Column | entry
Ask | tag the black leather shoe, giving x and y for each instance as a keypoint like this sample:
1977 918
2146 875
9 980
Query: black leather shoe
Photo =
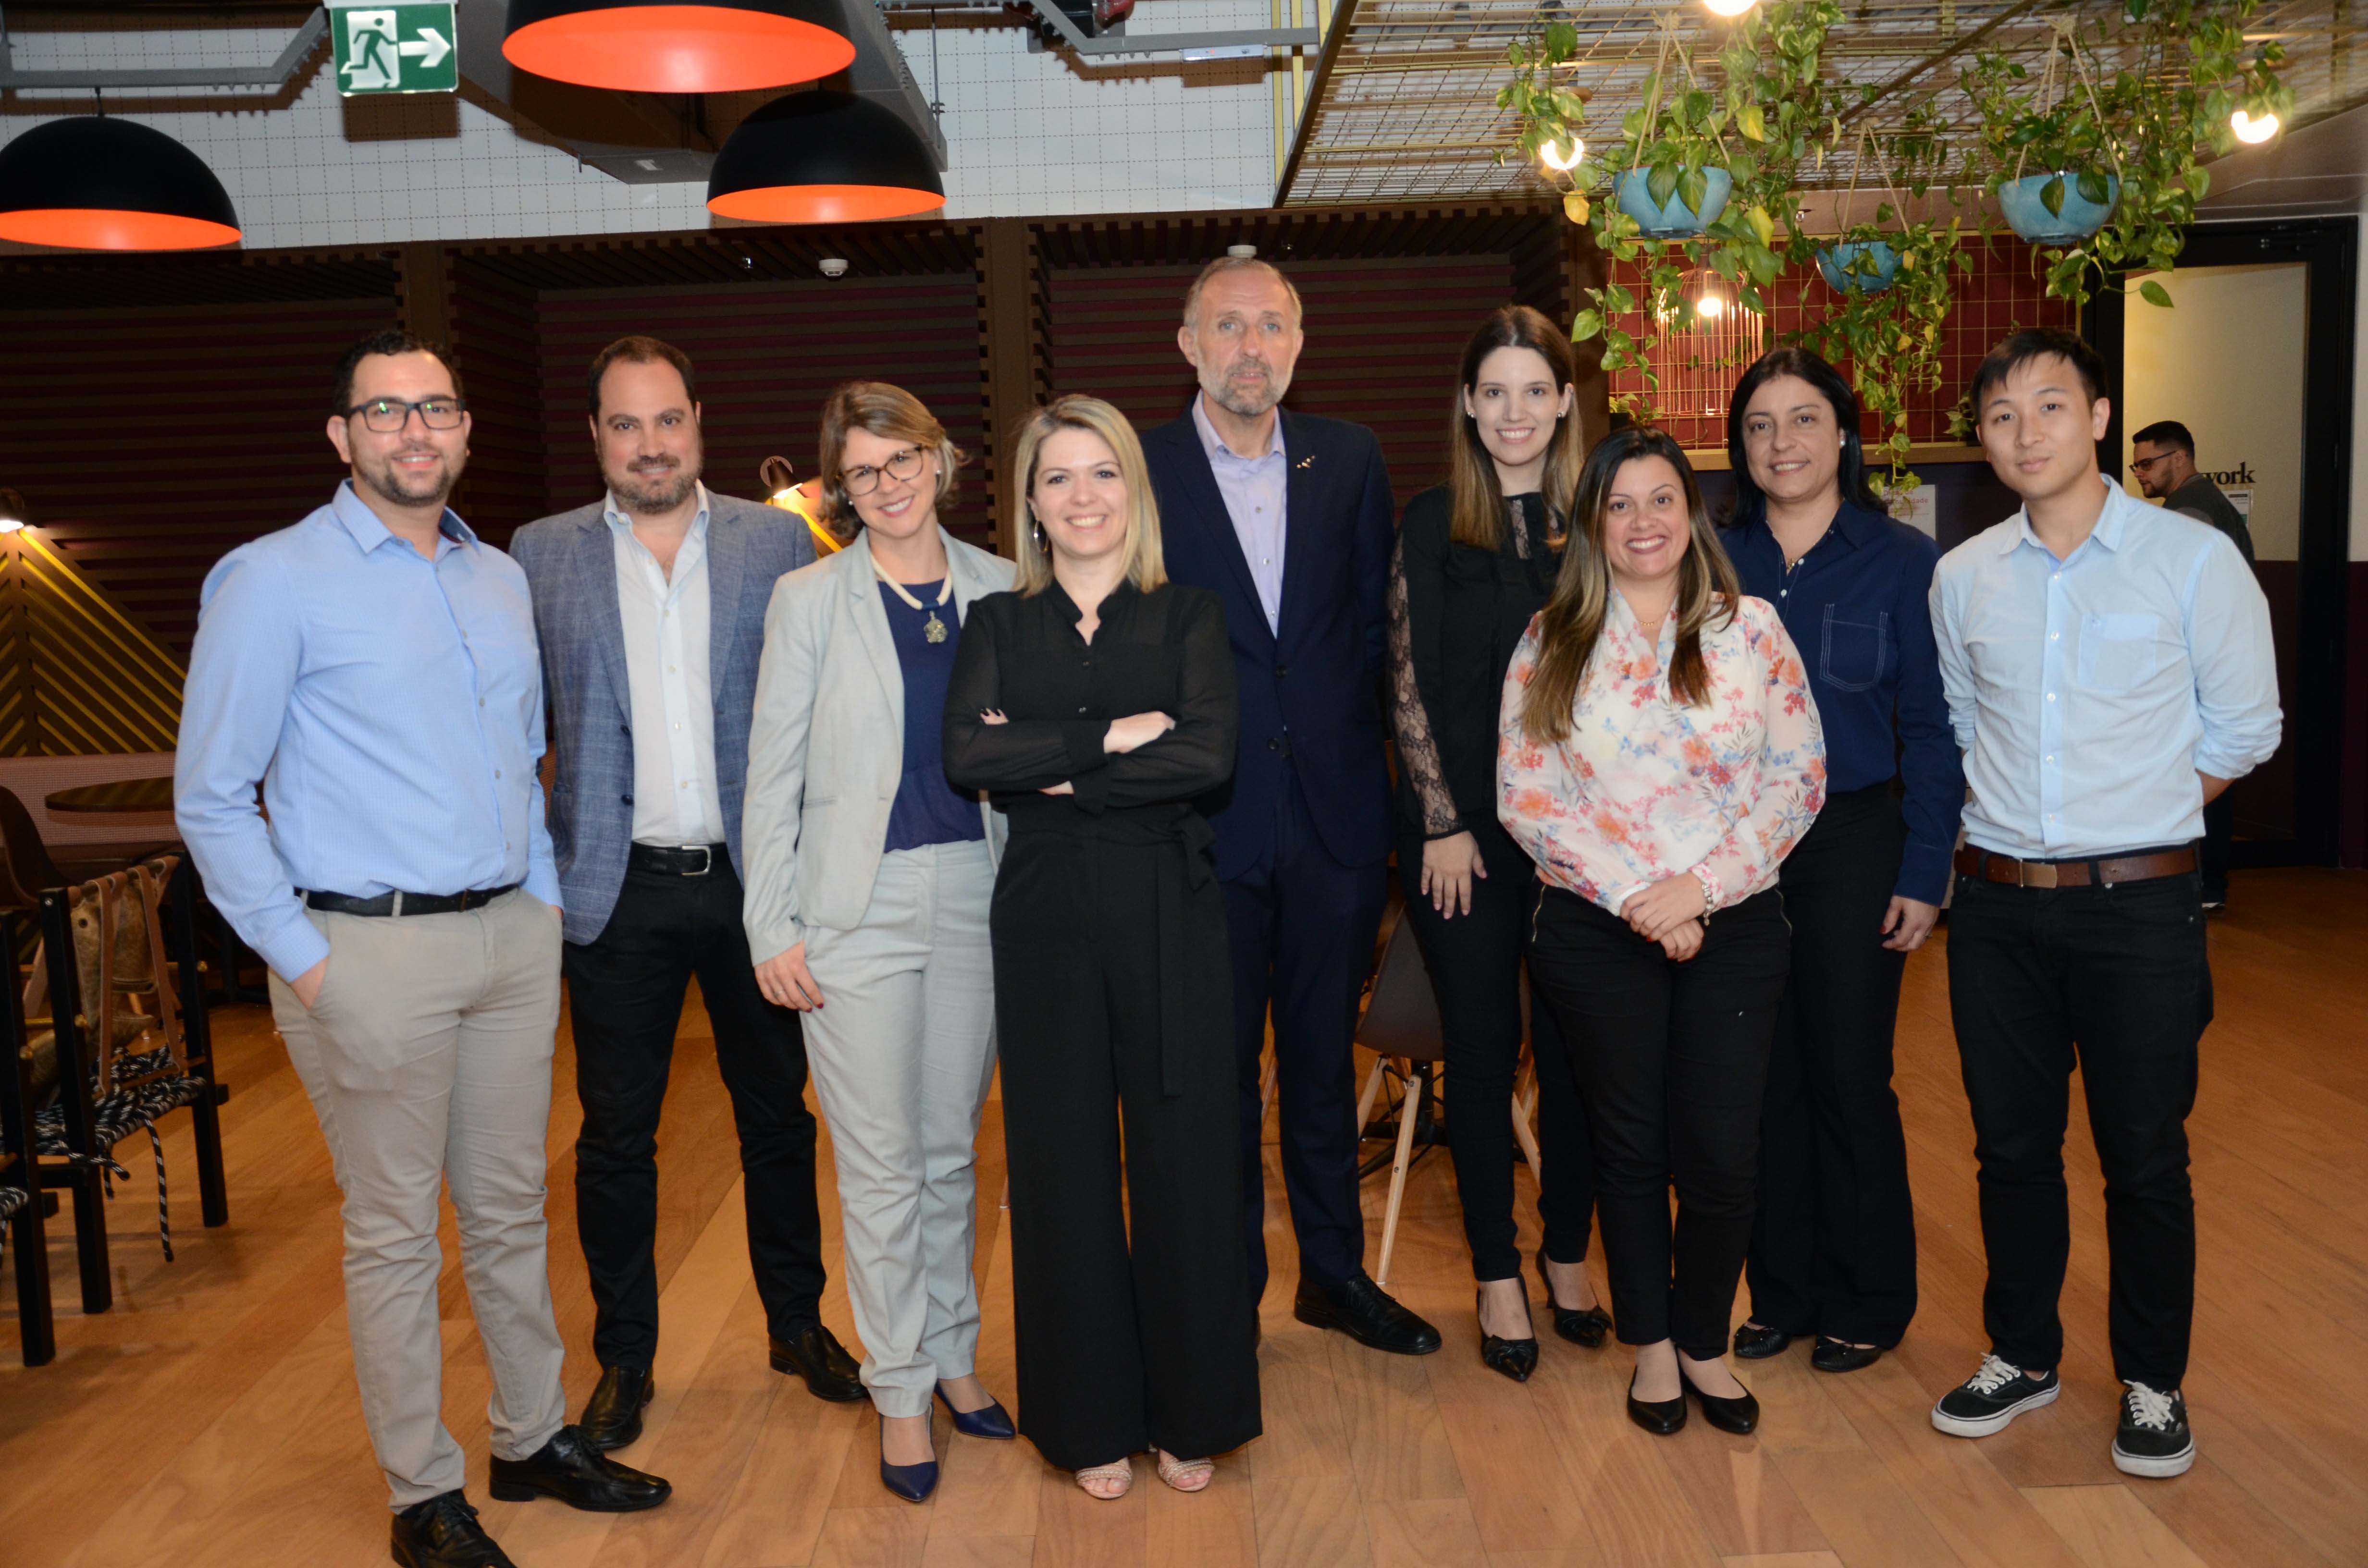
612 1416
1588 1327
443 1532
1741 1416
1516 1358
571 1469
1366 1313
1837 1356
1659 1416
815 1355
1755 1341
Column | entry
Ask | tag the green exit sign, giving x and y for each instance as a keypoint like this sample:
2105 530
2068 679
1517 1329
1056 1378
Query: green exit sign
408 48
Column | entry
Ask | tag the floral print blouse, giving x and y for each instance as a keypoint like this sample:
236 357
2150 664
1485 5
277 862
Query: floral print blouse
1644 788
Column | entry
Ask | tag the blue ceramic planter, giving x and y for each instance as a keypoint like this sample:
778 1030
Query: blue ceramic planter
1835 261
1674 220
2028 215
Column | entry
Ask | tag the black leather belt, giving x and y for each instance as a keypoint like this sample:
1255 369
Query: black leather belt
2107 871
665 861
400 904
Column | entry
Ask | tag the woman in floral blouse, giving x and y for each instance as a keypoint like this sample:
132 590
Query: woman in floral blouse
1659 756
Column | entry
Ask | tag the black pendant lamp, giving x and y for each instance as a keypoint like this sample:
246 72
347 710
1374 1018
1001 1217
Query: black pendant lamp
824 157
98 183
633 47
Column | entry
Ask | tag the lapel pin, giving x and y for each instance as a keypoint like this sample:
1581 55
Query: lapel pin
1306 463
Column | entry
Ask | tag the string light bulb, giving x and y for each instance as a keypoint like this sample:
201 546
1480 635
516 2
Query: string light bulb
2250 130
1551 155
1729 7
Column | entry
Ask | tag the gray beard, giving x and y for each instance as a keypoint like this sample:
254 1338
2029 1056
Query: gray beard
1244 406
656 494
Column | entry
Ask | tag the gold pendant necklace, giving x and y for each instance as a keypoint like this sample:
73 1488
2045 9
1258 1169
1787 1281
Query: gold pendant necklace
933 630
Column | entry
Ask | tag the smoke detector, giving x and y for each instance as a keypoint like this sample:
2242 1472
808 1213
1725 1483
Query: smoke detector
833 266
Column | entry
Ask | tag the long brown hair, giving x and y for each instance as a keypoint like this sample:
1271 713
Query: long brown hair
1475 502
1572 623
891 414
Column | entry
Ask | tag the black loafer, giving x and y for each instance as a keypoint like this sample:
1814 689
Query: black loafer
1755 1341
569 1469
1516 1358
612 1416
1839 1356
1366 1313
1659 1416
815 1355
443 1532
1589 1327
1741 1416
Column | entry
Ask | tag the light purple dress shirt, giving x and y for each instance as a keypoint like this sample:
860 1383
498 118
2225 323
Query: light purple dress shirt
1255 490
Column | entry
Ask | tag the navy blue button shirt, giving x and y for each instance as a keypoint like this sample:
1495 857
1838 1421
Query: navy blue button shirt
928 810
1859 608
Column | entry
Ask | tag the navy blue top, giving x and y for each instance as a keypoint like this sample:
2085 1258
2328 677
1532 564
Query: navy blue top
1859 608
927 809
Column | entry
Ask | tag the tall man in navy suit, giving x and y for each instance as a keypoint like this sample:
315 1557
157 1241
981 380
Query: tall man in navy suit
650 607
1288 519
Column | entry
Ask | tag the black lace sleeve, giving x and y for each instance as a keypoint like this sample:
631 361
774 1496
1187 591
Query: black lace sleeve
1417 592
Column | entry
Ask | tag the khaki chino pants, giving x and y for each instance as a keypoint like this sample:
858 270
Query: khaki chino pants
428 1058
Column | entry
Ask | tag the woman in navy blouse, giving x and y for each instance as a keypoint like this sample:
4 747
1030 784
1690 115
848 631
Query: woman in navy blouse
1833 1247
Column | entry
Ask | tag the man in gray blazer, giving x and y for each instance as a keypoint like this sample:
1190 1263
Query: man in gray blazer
650 607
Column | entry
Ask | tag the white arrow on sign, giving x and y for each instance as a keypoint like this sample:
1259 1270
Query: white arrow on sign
430 49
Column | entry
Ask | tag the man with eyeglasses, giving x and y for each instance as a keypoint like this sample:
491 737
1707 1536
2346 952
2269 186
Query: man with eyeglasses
373 669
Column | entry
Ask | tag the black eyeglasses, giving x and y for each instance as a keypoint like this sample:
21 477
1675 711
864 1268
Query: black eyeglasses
388 415
2140 465
901 464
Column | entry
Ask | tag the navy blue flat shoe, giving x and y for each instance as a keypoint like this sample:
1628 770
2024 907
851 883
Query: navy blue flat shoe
912 1482
989 1420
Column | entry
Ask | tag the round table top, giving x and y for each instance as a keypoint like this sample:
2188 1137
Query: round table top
124 795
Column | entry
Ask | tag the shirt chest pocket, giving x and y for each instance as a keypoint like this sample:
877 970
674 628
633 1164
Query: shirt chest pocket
2117 652
1853 649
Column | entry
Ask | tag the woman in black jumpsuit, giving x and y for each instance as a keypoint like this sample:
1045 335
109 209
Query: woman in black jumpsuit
1095 703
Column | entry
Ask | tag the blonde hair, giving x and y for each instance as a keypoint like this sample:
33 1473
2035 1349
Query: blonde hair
891 414
1146 567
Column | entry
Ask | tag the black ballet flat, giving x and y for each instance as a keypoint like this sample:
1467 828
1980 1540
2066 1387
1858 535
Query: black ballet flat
1589 1328
1839 1356
1661 1417
1516 1358
1741 1416
1756 1342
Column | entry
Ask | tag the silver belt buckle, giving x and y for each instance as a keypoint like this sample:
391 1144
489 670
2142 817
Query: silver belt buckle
708 864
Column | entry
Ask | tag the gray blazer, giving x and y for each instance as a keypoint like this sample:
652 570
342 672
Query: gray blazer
571 566
826 751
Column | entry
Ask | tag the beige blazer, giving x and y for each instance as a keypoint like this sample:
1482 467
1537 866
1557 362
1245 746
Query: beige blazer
826 748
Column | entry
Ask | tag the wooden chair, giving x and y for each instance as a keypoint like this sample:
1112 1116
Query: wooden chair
21 1198
126 1018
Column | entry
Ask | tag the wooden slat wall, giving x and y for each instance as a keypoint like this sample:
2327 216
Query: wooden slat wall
494 341
148 441
86 679
767 355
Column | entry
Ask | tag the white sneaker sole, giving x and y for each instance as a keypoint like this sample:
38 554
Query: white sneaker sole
2160 1468
1958 1426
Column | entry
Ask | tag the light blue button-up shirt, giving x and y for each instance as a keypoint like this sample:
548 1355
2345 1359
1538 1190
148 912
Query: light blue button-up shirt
2087 693
390 705
1256 491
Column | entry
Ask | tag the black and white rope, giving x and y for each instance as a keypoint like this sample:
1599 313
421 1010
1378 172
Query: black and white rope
115 1119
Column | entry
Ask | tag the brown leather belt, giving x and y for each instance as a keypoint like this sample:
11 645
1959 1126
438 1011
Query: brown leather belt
1994 867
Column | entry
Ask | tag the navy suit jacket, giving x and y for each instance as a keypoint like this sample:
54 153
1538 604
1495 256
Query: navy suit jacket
571 565
1309 691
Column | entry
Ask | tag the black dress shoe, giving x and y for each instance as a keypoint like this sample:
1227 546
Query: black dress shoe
815 1355
443 1532
612 1416
1588 1327
1756 1342
1659 1416
1516 1358
1837 1356
1366 1313
571 1469
1738 1416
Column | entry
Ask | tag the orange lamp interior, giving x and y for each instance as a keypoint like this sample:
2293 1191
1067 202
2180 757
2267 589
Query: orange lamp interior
106 228
677 48
824 203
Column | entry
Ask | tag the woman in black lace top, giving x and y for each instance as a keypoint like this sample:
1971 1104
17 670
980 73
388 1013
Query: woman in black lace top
1095 703
1477 558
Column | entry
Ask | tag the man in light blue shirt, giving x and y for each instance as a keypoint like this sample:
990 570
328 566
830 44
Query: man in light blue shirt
374 670
2109 671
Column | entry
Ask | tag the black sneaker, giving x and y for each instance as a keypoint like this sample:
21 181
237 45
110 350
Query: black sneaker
2155 1440
1986 1401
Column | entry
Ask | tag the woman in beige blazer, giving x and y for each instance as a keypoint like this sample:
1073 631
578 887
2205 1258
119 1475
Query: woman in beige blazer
869 880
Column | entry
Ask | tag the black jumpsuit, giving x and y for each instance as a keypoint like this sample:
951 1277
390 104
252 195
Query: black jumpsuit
1113 998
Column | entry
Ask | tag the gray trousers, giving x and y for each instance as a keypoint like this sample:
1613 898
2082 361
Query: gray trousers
901 1050
428 1058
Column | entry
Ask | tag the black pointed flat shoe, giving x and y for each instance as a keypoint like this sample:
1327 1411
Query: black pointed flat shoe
1756 1342
1659 1416
912 1482
1837 1356
1516 1358
1741 1416
1589 1326
989 1420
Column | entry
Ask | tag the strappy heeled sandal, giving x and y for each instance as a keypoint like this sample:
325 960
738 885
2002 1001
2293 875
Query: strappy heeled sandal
1186 1475
1120 1471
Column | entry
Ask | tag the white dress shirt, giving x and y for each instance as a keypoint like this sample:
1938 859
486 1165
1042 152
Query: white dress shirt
2087 693
665 621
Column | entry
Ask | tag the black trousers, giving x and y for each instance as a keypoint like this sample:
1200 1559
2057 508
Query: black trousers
1112 1006
2115 979
1474 962
2219 834
1301 928
1671 1058
1833 1247
625 995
